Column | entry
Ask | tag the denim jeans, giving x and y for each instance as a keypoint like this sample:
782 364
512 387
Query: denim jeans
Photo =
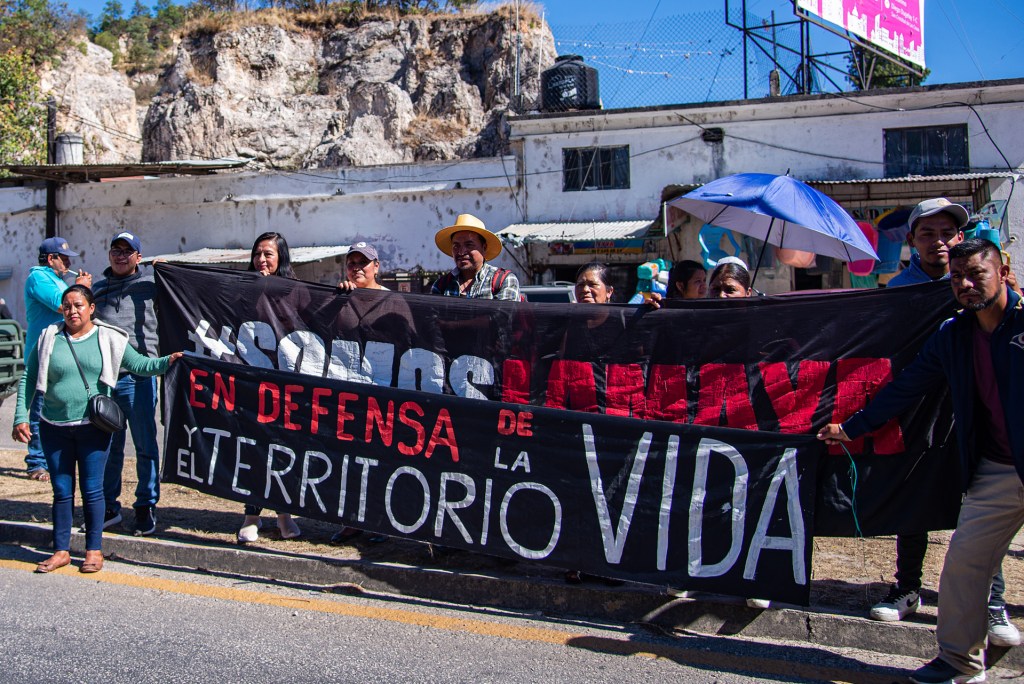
136 396
35 459
66 447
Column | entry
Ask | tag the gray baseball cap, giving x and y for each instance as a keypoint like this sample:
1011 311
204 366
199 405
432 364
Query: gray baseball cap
930 207
364 248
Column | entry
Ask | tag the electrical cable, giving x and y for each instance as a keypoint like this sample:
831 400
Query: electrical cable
633 54
961 35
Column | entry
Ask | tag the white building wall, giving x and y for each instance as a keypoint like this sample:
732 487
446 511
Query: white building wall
812 138
398 208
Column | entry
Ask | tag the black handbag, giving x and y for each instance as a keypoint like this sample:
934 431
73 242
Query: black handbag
102 411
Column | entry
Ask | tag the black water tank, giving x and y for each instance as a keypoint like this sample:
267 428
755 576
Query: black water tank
569 84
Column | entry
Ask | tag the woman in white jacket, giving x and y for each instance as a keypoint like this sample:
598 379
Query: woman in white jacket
68 439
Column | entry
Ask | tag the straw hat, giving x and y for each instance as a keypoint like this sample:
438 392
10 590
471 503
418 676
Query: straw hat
443 239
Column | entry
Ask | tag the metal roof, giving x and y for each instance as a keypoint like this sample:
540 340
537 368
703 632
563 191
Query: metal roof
83 173
578 230
901 190
918 179
225 255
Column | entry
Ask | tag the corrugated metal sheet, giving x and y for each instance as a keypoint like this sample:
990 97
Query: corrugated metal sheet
918 179
214 255
83 173
579 230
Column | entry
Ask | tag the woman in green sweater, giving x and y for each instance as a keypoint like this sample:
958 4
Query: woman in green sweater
68 438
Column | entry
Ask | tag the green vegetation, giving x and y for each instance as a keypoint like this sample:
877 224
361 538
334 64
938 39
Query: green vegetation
22 117
32 33
867 70
38 30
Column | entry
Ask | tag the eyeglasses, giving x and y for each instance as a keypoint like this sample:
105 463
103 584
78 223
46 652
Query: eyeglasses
115 252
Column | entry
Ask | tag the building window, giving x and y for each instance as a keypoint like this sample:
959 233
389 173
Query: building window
926 151
595 168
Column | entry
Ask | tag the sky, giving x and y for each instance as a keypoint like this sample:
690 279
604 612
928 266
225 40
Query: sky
687 61
965 40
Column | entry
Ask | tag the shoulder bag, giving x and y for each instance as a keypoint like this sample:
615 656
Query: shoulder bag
102 411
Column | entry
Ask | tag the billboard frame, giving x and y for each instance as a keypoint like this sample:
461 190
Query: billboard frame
810 62
854 39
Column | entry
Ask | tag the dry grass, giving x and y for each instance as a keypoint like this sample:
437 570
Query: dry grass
425 127
145 92
341 14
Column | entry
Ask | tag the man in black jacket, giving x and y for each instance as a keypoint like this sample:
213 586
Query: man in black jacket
980 354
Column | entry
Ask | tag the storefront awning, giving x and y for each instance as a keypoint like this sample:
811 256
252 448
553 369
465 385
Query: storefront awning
574 231
912 189
577 242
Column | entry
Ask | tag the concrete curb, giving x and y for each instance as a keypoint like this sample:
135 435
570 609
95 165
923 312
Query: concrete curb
630 603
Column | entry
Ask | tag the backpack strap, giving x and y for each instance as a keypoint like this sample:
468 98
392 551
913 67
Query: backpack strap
498 280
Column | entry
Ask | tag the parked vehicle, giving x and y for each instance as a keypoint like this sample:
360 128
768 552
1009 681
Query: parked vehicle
559 292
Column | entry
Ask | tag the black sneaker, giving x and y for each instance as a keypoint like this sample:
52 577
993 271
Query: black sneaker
145 520
940 672
110 518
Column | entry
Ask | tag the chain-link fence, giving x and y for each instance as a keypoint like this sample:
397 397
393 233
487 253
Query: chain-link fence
686 58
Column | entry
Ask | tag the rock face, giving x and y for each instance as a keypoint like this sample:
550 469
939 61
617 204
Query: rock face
385 91
95 100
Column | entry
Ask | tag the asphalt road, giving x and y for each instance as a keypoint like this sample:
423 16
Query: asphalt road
141 624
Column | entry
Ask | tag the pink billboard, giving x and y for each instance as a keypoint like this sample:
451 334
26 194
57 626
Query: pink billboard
896 26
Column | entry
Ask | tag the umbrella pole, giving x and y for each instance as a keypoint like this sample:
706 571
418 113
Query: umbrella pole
760 257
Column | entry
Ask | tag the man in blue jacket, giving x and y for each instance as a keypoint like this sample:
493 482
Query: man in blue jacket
126 298
936 225
980 353
43 289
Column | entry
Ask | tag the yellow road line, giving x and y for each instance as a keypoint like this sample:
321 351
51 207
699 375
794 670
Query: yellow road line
605 644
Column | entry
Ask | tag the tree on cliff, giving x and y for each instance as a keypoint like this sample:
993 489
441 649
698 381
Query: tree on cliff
22 116
38 29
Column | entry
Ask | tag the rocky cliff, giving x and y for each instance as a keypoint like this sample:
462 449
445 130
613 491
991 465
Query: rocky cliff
95 100
377 92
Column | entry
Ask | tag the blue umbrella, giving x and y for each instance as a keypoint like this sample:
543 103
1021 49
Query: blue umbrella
779 210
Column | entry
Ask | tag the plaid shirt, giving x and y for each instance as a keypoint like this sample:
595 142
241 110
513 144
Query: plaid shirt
448 285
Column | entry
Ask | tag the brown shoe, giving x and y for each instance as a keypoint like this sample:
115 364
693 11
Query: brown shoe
39 474
93 562
57 560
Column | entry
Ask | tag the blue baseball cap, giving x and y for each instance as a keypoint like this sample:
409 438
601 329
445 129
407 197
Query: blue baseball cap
56 245
132 241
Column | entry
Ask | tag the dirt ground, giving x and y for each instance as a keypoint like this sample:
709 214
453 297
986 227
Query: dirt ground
848 574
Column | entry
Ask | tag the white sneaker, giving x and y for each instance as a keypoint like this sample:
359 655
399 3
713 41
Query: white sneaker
249 533
897 604
1001 632
763 604
287 527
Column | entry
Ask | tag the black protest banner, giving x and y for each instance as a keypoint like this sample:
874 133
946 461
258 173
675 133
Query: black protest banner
781 364
720 510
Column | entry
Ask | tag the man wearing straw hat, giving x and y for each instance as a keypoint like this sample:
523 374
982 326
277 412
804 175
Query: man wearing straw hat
471 245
